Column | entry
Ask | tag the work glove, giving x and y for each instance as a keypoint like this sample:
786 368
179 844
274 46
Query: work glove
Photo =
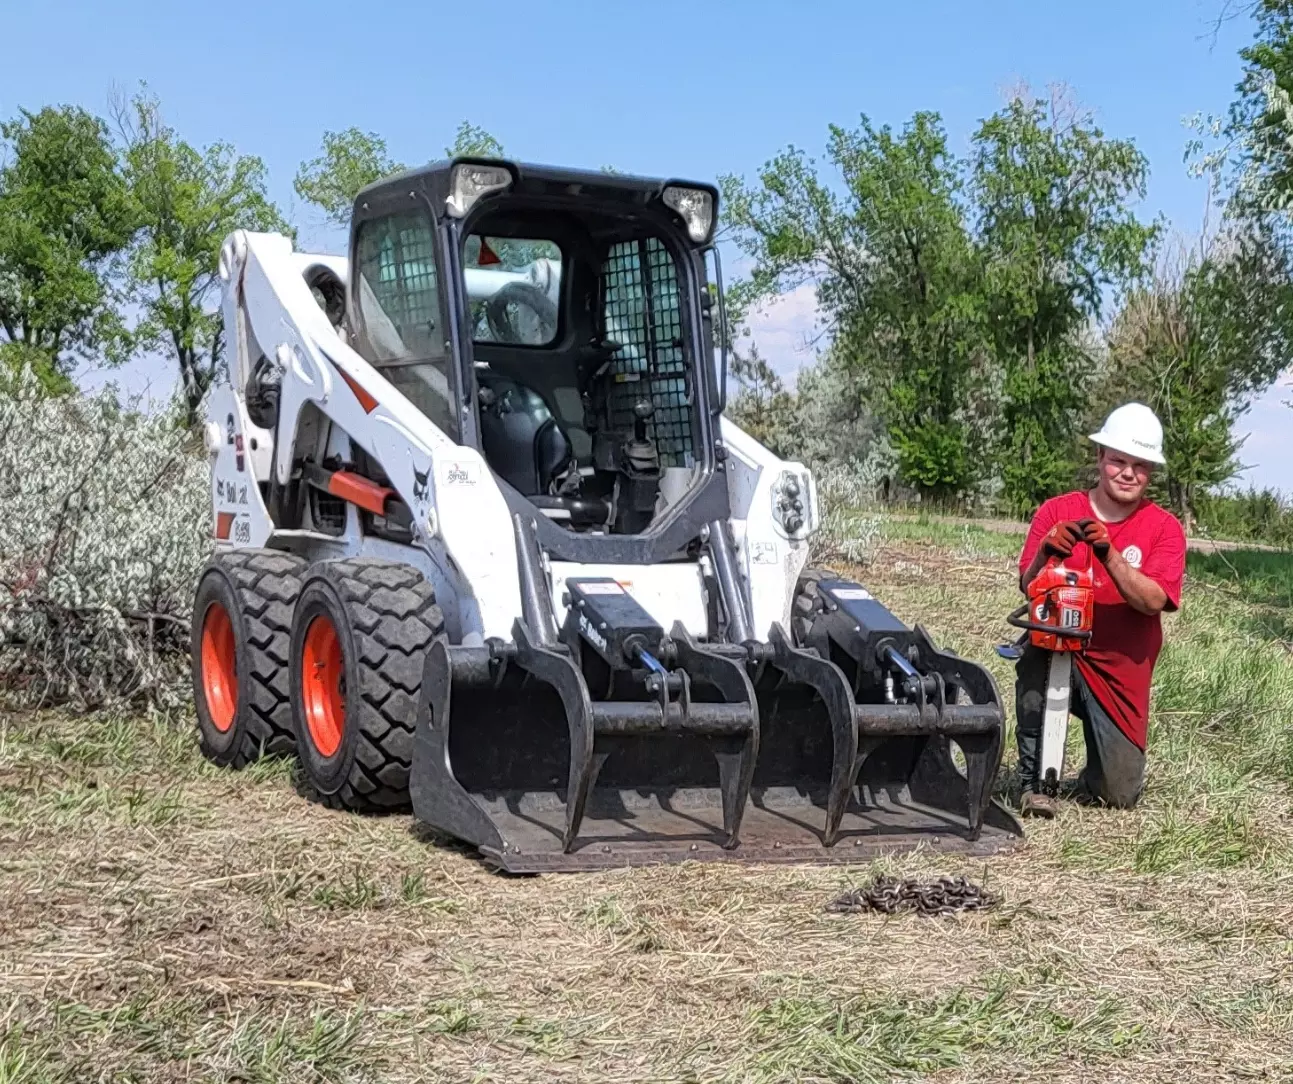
1096 535
1061 539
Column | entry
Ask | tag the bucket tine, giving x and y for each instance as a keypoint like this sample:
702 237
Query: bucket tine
560 672
982 752
736 756
828 681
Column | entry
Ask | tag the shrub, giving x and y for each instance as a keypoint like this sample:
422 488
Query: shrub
1264 516
104 523
846 533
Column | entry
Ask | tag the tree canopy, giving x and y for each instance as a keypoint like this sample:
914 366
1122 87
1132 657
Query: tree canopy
188 201
66 217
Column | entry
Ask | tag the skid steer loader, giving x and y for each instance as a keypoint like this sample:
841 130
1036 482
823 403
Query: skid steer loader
485 544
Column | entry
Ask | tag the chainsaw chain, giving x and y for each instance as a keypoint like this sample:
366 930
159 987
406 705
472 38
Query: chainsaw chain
891 896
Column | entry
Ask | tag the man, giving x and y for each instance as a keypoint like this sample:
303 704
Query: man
1137 550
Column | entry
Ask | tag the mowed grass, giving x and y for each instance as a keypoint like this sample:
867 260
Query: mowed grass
161 920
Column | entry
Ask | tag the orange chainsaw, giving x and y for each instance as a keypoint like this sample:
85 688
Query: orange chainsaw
1057 617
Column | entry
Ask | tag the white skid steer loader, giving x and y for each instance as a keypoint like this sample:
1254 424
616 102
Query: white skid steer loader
485 544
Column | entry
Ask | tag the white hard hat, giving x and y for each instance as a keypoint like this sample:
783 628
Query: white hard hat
1134 430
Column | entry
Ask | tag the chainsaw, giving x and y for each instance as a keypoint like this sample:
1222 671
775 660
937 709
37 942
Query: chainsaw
1057 618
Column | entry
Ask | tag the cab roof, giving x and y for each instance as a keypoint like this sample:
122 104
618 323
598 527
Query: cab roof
530 179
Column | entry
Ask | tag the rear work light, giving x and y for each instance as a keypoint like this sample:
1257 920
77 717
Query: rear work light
695 205
469 182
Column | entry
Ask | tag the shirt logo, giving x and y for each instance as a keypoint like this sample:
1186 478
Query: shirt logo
1133 556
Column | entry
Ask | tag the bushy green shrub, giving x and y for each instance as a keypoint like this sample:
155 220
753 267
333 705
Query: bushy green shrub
1254 516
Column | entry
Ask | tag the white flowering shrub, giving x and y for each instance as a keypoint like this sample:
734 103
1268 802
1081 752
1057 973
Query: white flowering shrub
104 524
848 533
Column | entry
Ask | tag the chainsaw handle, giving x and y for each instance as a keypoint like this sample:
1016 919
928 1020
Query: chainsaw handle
1015 620
1054 560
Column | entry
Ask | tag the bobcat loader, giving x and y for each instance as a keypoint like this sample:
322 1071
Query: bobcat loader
486 545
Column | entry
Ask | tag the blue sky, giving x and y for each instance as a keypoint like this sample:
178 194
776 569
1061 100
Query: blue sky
661 87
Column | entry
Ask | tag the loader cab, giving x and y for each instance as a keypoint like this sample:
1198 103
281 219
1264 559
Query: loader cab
559 321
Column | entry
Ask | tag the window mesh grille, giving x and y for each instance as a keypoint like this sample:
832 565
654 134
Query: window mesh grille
397 258
640 291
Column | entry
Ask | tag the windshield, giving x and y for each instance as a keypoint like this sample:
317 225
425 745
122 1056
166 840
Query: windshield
514 288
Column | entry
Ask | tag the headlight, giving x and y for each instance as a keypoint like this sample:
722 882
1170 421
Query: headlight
696 205
792 498
469 182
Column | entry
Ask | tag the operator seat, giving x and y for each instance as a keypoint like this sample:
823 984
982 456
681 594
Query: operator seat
522 442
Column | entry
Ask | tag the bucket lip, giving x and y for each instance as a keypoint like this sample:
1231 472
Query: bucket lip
593 854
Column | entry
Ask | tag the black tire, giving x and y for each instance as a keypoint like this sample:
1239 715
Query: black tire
256 590
808 604
384 617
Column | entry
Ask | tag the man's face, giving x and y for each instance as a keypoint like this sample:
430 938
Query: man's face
1123 477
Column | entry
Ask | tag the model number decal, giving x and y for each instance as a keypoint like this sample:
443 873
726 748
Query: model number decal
242 530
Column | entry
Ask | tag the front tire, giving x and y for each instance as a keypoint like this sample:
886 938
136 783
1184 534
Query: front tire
808 605
242 622
359 642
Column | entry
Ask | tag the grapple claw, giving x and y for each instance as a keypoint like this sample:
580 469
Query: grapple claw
620 745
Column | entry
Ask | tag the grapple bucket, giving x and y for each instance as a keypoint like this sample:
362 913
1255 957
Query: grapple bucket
614 745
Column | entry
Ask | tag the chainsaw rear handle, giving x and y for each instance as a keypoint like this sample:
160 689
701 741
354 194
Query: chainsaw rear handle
1015 620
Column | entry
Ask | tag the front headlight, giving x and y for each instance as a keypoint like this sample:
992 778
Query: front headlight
695 205
469 182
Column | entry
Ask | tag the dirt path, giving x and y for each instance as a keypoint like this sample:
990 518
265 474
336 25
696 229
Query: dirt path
1013 526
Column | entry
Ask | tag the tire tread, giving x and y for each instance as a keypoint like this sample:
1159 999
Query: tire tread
267 583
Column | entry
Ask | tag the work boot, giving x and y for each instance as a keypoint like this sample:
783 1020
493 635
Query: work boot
1032 804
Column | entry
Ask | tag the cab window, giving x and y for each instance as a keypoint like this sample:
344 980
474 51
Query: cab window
514 288
398 299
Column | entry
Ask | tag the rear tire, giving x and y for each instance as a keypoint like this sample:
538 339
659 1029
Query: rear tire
242 622
359 642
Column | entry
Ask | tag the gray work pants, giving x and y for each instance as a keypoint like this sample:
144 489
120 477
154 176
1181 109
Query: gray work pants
1115 768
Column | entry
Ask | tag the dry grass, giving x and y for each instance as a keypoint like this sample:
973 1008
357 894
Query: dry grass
161 920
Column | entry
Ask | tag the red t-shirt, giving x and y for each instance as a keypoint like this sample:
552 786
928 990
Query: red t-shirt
1119 660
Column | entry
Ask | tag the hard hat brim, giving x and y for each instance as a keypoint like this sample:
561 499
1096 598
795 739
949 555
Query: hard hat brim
1127 447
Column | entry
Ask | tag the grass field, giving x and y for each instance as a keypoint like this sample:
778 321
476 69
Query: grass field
164 921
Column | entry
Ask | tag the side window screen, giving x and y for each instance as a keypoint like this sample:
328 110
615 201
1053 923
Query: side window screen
399 309
640 308
398 298
514 286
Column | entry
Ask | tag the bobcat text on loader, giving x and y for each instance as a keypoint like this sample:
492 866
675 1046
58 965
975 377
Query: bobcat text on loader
485 544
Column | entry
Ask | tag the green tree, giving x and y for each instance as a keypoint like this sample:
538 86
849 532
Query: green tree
65 219
1056 233
472 141
188 202
896 280
350 161
1259 129
1213 329
762 406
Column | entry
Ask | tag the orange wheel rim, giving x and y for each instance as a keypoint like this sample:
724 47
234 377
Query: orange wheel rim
219 667
322 678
